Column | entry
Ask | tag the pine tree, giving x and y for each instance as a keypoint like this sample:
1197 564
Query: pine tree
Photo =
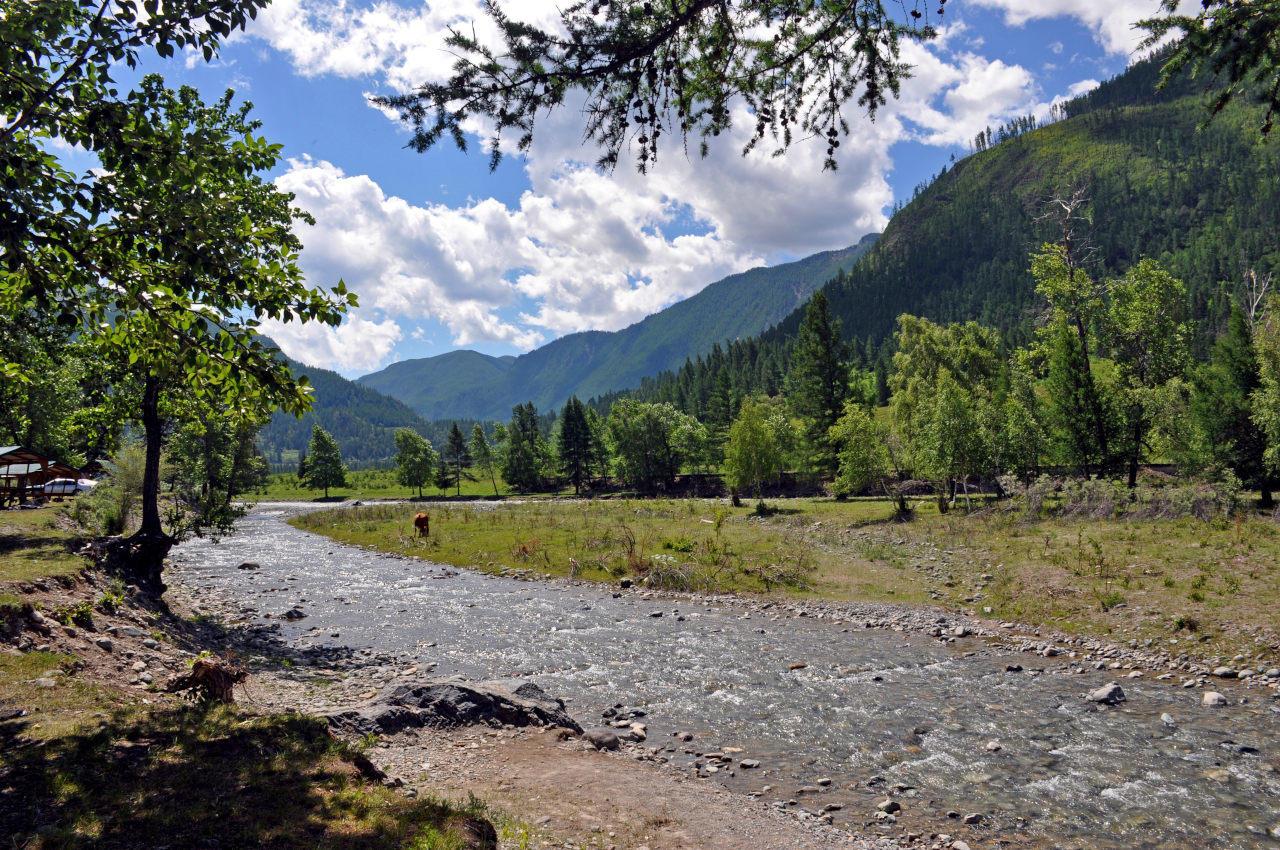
458 456
818 383
324 462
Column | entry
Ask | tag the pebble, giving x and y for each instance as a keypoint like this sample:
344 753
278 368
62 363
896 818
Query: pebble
104 643
1224 672
889 806
748 763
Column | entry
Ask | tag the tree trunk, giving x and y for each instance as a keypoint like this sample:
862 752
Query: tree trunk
141 557
1133 455
1267 499
152 429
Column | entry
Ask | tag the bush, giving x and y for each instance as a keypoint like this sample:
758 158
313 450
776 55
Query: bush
1098 499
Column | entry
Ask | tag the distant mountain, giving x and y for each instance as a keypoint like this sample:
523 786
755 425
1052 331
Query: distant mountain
362 420
472 385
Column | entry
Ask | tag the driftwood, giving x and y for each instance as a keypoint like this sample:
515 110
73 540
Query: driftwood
209 679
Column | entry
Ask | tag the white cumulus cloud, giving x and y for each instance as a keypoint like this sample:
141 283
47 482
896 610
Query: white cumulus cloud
1110 20
582 249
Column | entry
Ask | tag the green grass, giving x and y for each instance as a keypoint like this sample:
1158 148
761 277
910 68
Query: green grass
91 765
1132 579
34 546
187 775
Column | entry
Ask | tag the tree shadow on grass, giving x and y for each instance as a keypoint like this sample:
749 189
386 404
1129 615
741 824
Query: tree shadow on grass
200 777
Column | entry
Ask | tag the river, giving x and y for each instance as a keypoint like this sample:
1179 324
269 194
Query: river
946 728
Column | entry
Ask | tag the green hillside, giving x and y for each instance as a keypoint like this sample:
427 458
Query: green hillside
362 420
423 384
468 384
1204 203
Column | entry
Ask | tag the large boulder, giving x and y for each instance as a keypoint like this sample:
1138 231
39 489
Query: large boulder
449 703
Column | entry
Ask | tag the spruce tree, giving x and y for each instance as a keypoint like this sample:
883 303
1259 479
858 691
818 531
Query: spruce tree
574 443
1223 408
818 382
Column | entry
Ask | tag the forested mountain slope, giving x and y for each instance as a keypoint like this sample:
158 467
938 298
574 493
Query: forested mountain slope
1204 203
468 384
362 420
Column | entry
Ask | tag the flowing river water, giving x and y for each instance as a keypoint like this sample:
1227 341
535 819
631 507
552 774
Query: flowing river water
945 728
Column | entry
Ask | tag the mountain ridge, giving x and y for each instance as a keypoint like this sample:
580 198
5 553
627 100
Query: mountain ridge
593 363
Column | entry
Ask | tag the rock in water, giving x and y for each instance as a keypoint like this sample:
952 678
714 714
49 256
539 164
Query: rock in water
1213 698
602 738
450 703
1109 694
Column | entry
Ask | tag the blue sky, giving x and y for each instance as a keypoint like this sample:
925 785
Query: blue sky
446 254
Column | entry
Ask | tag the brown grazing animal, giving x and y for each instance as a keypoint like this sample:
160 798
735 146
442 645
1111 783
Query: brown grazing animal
422 522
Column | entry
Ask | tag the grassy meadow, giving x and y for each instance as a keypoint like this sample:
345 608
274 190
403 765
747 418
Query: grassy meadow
1208 587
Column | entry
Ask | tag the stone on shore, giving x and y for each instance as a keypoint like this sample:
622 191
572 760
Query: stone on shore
602 738
1109 694
449 703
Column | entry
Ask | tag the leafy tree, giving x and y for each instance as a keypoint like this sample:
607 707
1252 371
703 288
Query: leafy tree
574 443
37 410
1235 44
950 444
818 382
458 457
1221 403
213 458
175 250
752 455
415 459
1266 398
1015 425
651 442
601 459
864 458
963 362
324 463
483 454
57 73
1145 329
668 67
